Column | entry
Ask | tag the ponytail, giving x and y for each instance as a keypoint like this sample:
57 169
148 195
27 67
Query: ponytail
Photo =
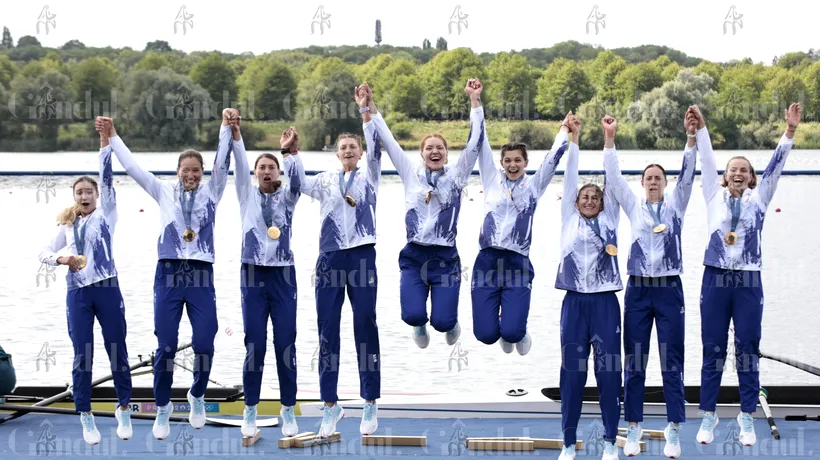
68 215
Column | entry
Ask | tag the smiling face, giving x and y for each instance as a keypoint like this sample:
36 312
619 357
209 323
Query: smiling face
349 152
190 169
514 162
266 172
739 176
590 201
434 152
654 182
86 195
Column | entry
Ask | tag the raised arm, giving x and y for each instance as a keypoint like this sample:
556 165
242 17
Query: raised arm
708 164
242 171
364 98
108 196
486 166
222 162
771 175
570 175
375 130
616 185
145 179
464 167
545 172
292 166
686 178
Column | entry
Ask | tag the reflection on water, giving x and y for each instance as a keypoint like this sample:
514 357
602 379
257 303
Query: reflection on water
35 315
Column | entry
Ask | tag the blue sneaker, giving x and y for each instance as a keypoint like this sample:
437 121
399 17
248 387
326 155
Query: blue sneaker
369 423
329 419
289 425
706 433
249 422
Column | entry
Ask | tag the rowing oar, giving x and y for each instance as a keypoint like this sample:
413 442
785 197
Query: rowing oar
793 363
768 412
67 393
802 418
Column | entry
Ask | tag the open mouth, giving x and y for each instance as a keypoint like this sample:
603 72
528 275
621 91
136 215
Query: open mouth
435 158
737 181
84 204
513 170
266 179
348 156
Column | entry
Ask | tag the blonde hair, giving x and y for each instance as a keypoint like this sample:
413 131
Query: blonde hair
437 136
69 215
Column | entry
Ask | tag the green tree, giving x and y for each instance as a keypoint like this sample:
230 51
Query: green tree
73 44
781 90
217 77
712 69
158 45
426 45
7 72
797 61
372 72
327 95
378 32
93 82
511 87
7 42
441 44
636 80
267 90
153 61
28 40
445 77
739 94
403 89
44 102
563 87
811 78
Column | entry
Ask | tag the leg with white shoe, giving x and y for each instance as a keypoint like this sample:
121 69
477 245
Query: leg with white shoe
256 309
110 311
747 317
575 347
715 313
638 320
329 299
80 316
284 295
168 304
413 293
443 273
201 308
515 300
605 325
485 293
670 320
366 335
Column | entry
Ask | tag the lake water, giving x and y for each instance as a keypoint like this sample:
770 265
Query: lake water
33 306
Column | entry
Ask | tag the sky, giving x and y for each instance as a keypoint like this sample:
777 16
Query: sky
695 27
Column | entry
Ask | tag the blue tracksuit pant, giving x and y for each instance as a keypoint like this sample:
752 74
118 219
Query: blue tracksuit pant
433 271
502 279
353 269
178 283
590 321
102 300
737 296
659 301
269 292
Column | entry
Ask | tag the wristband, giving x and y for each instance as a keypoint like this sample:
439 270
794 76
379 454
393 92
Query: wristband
364 109
285 150
691 136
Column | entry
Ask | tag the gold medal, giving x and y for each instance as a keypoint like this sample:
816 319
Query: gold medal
611 250
189 235
350 201
730 238
427 198
659 228
81 262
274 232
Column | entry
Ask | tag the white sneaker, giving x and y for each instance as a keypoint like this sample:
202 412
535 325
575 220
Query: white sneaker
567 453
420 336
331 416
289 425
90 432
162 428
124 429
672 435
369 421
706 433
249 422
506 346
453 334
610 451
523 346
197 416
633 440
747 435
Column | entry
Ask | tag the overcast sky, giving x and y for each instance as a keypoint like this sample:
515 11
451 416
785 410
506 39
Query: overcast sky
695 27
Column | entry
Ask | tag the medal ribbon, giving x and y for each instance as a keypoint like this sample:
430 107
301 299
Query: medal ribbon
267 211
79 237
596 228
344 188
656 214
433 179
187 208
734 205
511 185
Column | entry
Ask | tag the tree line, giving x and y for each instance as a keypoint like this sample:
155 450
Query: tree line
165 99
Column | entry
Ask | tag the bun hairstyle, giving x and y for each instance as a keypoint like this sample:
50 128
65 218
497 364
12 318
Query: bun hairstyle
190 153
598 191
277 183
68 215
